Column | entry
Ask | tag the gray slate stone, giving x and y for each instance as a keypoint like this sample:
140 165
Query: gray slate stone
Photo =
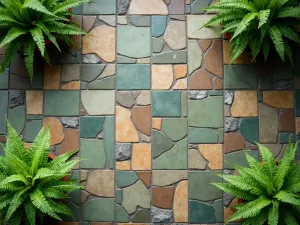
125 99
123 151
231 124
158 45
122 6
161 215
283 85
196 95
91 58
16 98
228 97
140 21
70 122
227 199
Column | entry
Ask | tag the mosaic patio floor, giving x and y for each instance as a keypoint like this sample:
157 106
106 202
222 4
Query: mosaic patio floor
154 108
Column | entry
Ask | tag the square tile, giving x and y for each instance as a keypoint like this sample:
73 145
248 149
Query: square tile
166 104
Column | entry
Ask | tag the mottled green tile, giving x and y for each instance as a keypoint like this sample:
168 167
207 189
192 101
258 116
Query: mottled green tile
3 111
159 24
240 77
32 129
92 154
122 215
99 209
91 126
249 129
184 103
238 158
170 57
109 140
203 135
107 83
175 129
201 213
96 7
119 196
16 116
166 104
34 117
142 216
160 143
4 79
284 137
126 178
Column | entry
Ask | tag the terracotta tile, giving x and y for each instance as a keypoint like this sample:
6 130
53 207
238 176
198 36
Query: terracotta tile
123 165
163 197
145 177
180 206
180 71
287 121
213 153
52 77
34 102
213 59
279 99
180 84
73 85
156 123
141 156
56 130
71 141
205 44
3 139
141 118
243 59
233 142
218 84
200 80
245 104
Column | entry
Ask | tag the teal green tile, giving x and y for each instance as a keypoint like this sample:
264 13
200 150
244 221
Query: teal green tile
184 103
142 216
4 79
160 143
201 213
90 72
197 6
159 24
207 112
249 129
109 140
171 57
219 210
125 178
166 104
99 209
107 83
32 129
77 10
34 117
122 215
3 111
175 129
91 126
119 196
38 80
215 93
240 77
75 212
221 135
96 7
61 103
92 154
125 60
284 137
133 77
16 117
203 135
238 158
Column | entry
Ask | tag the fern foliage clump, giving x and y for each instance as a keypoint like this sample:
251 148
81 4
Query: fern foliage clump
258 24
26 24
270 190
30 186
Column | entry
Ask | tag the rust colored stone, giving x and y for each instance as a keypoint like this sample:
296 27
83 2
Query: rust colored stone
56 130
180 71
88 22
218 84
145 177
279 99
34 102
205 44
245 104
73 85
287 121
2 139
163 197
52 77
141 156
156 123
233 142
200 80
213 59
243 59
141 118
213 153
71 141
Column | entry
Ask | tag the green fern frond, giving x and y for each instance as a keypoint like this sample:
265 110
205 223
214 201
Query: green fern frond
269 165
38 37
288 52
289 12
239 47
63 6
288 217
244 24
266 48
60 208
276 37
29 48
36 5
263 17
52 38
231 5
30 212
273 214
12 35
14 205
229 188
286 197
288 33
62 28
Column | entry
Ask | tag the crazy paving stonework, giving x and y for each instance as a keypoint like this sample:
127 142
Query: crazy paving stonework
156 110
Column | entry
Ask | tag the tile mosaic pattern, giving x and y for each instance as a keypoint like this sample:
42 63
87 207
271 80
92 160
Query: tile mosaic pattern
156 110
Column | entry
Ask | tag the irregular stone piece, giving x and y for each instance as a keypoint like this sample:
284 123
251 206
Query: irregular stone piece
91 58
125 60
142 216
240 77
98 102
140 21
245 104
196 21
101 183
161 215
155 7
162 77
200 114
70 72
287 121
32 129
203 135
109 140
197 95
133 41
34 102
180 71
238 158
268 124
16 117
176 57
52 76
125 131
91 209
175 129
101 41
175 158
158 45
198 5
88 22
122 20
163 178
71 122
228 97
156 123
195 55
166 104
175 35
141 156
123 151
162 197
279 99
143 61
196 160
181 202
125 99
122 215
249 129
73 85
231 124
100 7
141 118
102 84
16 98
233 142
177 7
160 144
205 44
144 98
213 154
213 59
145 177
180 84
56 130
134 196
122 6
126 178
91 126
201 80
123 165
201 212
110 20
93 151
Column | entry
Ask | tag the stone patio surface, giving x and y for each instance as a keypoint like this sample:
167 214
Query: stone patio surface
155 109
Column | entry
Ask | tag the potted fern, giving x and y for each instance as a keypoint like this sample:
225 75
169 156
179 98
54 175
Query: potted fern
30 185
26 25
270 191
258 25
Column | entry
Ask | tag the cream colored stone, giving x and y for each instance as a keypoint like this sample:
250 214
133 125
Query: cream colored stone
148 7
123 165
125 131
175 35
181 84
141 156
196 21
156 123
162 77
101 183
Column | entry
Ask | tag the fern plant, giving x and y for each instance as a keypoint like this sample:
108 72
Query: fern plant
26 24
258 24
270 190
30 186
